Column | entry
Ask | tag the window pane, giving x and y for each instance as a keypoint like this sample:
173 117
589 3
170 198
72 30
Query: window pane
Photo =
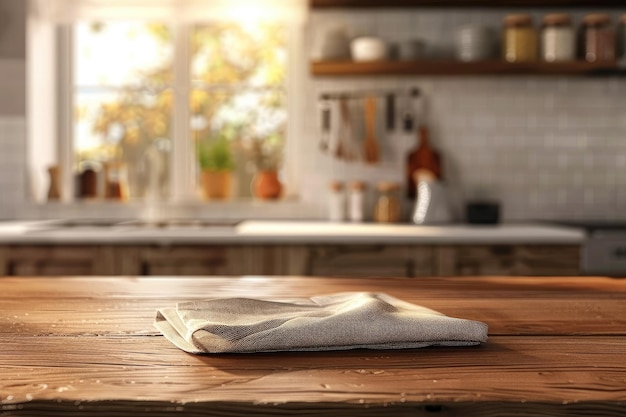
128 128
238 73
123 53
253 121
229 54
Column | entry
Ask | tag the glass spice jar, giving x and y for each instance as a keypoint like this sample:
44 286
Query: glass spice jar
558 41
387 208
598 38
519 38
336 202
356 201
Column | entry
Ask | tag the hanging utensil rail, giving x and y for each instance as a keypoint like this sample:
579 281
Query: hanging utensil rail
363 94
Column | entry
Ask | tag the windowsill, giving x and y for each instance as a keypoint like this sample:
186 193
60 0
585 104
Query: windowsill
240 209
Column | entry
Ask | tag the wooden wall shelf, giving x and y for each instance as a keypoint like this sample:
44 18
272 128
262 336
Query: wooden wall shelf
319 4
457 68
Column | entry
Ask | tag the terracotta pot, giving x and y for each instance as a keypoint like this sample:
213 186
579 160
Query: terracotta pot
216 184
266 185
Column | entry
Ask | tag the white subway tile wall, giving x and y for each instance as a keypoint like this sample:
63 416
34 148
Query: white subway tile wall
12 165
546 147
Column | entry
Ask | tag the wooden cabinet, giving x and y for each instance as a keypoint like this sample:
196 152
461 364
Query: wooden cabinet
472 260
57 260
227 260
370 261
175 260
212 260
338 260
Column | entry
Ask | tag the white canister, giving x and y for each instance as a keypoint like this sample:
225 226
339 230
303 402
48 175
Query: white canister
474 43
335 45
558 41
411 49
337 202
356 201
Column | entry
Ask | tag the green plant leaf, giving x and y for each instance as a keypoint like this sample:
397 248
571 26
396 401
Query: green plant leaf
216 155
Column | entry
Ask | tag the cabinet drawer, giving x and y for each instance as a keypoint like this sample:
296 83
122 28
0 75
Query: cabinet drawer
46 260
182 260
370 261
540 260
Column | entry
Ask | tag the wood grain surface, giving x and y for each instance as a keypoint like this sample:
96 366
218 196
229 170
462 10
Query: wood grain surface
86 346
458 68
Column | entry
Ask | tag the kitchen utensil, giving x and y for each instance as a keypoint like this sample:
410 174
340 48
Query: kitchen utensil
432 206
344 148
423 157
369 48
325 131
343 125
371 149
390 107
407 122
408 117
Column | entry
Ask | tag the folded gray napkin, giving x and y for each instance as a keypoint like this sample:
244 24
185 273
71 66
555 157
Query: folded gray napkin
329 322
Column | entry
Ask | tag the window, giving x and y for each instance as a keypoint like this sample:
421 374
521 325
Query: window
123 101
140 100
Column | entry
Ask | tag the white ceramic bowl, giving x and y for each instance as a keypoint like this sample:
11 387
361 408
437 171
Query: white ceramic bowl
368 48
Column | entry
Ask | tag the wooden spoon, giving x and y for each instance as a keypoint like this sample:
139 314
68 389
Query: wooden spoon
372 151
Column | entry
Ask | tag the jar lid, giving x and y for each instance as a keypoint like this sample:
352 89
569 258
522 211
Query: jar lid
357 185
518 19
597 19
557 19
336 185
384 186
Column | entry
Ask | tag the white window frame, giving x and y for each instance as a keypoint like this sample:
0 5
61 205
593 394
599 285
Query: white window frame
60 128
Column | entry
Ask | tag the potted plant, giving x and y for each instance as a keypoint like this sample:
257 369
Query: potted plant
266 154
216 162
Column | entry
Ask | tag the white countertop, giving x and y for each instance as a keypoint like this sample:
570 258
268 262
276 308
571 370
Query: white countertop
255 232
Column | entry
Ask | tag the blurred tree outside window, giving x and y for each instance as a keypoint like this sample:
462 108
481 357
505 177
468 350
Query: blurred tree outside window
124 98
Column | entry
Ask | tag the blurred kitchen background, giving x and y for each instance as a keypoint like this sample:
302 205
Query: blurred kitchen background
544 147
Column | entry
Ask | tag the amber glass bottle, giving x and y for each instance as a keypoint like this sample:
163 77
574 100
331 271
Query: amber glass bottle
422 157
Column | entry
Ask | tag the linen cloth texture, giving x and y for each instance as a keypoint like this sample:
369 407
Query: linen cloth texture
348 320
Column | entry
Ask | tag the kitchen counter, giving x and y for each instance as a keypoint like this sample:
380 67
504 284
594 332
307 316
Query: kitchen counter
86 346
289 232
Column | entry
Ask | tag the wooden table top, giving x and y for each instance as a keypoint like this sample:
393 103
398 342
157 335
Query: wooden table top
86 346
